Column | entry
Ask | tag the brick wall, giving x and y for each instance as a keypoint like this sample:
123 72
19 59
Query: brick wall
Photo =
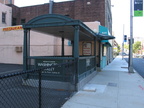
84 10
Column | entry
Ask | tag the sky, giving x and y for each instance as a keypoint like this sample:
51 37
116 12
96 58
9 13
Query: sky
120 17
121 21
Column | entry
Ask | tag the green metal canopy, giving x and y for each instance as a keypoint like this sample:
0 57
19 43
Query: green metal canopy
65 28
60 26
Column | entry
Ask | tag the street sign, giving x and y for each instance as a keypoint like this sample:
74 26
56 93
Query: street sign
138 8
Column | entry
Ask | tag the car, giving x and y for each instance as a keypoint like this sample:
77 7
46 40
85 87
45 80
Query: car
123 54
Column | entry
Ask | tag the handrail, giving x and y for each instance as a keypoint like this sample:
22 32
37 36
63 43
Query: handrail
33 70
51 57
86 57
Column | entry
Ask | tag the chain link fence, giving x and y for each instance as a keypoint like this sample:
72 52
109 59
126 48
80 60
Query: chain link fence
16 91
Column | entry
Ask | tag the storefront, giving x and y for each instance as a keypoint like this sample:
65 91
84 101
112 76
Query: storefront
106 46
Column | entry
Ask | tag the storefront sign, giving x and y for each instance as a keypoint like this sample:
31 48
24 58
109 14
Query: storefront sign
12 28
87 48
138 7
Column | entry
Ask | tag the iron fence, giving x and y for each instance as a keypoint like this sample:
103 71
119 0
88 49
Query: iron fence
16 91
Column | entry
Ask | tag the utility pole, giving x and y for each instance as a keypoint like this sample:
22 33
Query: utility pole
123 44
131 39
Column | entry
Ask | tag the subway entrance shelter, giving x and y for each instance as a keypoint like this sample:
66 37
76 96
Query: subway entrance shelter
82 57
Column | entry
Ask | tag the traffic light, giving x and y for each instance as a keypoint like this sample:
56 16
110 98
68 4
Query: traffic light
125 38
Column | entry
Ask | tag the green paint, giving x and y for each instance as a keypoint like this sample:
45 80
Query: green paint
103 30
138 13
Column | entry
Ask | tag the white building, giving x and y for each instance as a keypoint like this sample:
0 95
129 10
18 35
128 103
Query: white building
5 15
7 1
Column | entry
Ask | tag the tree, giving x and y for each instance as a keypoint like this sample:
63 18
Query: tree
126 46
118 47
136 47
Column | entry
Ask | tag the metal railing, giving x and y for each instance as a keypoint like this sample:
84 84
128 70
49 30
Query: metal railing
86 66
36 92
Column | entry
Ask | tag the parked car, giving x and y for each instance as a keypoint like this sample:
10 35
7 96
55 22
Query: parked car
123 54
139 56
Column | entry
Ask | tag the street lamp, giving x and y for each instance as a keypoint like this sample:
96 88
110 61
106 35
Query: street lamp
131 39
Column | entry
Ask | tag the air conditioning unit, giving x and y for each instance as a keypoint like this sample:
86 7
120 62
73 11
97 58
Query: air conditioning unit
18 49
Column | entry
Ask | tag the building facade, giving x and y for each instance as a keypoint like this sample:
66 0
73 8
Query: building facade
84 10
7 1
5 15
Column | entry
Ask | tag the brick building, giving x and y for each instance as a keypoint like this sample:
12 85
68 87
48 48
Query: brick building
84 10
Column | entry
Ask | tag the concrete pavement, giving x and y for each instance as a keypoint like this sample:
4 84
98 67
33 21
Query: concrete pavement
114 87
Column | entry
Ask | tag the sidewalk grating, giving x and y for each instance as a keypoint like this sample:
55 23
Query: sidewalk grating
112 84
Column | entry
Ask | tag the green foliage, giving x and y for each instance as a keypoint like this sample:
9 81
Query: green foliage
126 46
118 47
136 47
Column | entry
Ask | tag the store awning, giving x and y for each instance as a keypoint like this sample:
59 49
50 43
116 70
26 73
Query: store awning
106 42
104 33
105 37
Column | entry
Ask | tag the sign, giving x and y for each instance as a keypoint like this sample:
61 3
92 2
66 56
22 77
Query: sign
103 30
41 63
87 48
138 7
12 28
88 62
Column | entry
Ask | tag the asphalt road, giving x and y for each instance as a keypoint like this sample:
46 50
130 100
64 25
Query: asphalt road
138 65
10 68
15 94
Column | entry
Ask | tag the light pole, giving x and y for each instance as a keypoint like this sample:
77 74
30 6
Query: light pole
131 39
123 44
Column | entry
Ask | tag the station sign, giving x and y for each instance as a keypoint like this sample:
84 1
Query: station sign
138 8
42 63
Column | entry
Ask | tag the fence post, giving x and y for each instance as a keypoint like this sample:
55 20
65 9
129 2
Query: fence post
76 55
39 89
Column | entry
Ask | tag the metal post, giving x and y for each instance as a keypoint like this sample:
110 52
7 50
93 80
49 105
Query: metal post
95 52
50 6
62 51
131 38
25 51
76 55
40 89
99 57
123 44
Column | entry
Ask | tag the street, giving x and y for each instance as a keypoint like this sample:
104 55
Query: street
138 65
15 94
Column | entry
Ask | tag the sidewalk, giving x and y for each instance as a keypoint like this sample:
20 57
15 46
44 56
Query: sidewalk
114 87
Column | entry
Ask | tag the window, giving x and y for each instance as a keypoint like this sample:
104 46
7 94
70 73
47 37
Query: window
14 20
23 21
67 15
3 17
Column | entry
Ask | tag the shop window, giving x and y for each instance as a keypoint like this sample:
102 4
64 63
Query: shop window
3 17
67 15
104 49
